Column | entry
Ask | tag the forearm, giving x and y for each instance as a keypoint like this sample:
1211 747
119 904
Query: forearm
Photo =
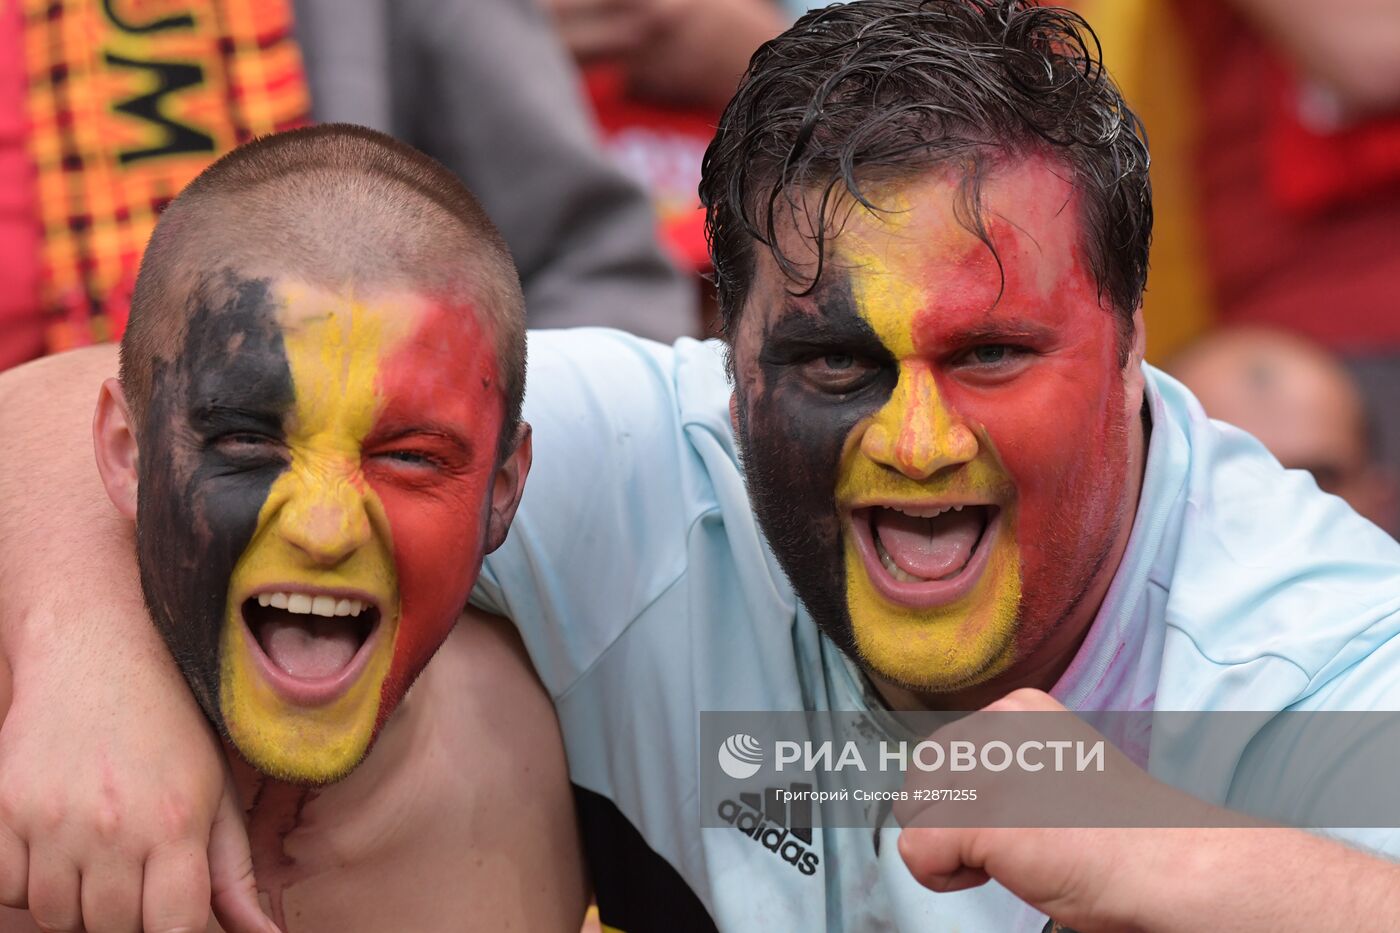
1271 880
66 556
1350 46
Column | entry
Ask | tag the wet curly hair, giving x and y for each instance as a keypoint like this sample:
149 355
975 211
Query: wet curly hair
879 89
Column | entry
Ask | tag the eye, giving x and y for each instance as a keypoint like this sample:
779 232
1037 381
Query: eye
248 445
993 353
839 361
407 459
994 360
838 373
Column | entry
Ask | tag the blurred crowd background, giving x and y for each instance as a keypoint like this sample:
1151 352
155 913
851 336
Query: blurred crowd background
581 124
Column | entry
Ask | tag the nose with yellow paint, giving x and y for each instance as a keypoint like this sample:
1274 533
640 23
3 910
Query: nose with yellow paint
313 606
326 513
915 432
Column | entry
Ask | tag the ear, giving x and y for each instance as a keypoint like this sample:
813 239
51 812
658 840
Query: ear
506 488
114 442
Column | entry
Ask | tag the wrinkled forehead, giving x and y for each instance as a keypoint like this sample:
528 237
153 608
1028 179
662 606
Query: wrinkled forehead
941 241
253 340
1027 212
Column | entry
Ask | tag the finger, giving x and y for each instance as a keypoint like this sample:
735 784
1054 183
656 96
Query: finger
111 897
1025 700
53 893
235 893
175 889
960 880
931 854
14 869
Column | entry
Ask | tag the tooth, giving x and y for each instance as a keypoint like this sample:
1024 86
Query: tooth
356 607
299 603
957 508
277 600
264 599
323 606
888 563
342 607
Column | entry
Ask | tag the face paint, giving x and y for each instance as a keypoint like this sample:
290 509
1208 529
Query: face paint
941 464
364 487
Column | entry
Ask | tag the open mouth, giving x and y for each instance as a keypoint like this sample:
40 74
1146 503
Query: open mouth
924 555
313 643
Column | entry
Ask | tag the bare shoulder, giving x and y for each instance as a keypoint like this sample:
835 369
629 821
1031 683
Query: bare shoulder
46 417
498 717
63 377
513 800
484 654
462 817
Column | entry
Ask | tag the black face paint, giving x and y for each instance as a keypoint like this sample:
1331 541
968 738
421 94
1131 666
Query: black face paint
211 446
792 435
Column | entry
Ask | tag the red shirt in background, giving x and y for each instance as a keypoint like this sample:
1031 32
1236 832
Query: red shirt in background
1302 226
661 147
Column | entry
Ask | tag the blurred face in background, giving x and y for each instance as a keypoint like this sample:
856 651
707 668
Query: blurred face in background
943 452
1300 402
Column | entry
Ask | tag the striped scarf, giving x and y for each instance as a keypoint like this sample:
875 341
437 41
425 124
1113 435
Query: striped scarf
128 101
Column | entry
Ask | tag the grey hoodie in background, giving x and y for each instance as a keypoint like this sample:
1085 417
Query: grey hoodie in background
485 87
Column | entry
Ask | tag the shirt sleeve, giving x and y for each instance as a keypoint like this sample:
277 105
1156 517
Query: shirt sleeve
1328 761
601 529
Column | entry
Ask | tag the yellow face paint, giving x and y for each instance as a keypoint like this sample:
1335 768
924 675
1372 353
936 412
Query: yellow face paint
321 528
940 437
916 452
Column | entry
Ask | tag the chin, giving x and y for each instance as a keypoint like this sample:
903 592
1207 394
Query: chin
937 636
301 695
298 746
306 768
928 663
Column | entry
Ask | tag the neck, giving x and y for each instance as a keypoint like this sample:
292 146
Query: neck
287 841
273 811
1048 663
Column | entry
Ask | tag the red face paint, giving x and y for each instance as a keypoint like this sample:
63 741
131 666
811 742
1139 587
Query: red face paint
917 378
1054 406
431 457
372 524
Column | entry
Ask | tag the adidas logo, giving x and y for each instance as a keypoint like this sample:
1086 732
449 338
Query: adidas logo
783 828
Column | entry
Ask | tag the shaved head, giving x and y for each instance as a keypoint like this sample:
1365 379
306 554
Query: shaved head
340 207
322 377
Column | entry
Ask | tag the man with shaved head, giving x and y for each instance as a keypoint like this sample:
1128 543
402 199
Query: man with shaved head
1300 402
317 432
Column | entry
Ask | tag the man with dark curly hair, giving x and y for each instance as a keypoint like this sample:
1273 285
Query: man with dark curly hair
926 470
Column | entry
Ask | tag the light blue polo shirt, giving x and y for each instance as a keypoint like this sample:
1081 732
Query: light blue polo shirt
645 593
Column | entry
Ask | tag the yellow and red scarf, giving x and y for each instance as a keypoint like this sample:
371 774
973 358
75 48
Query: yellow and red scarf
128 101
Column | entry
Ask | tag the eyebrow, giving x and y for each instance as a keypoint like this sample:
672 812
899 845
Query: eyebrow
215 416
432 429
1007 329
823 322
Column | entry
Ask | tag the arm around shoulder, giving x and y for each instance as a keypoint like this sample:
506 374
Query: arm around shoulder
110 779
